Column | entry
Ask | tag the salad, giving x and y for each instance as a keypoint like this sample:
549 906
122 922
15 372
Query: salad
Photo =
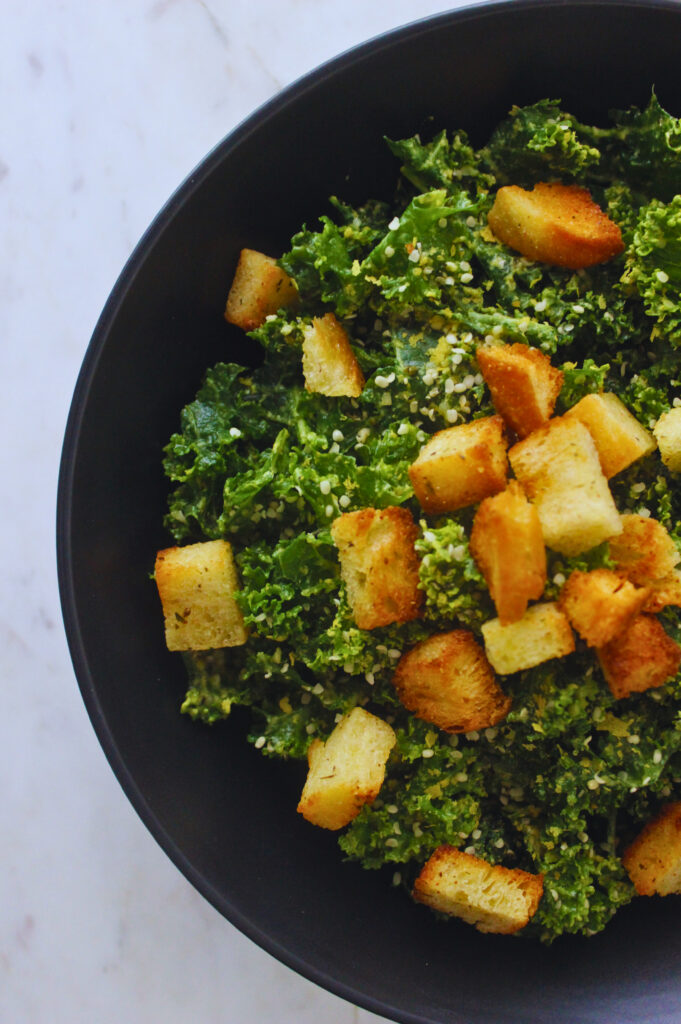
564 776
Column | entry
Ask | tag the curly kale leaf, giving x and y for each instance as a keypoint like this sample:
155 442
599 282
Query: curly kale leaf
441 163
539 143
455 588
644 149
653 265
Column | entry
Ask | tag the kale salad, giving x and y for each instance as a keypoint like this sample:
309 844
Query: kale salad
571 774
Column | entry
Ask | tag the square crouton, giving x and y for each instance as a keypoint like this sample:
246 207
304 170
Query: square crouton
653 859
523 384
620 438
561 473
379 565
640 658
490 896
197 584
508 546
329 364
644 551
542 633
665 592
553 223
600 604
461 465
347 771
667 433
259 288
447 680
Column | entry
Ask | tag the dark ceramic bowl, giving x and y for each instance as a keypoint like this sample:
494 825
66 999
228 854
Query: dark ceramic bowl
224 814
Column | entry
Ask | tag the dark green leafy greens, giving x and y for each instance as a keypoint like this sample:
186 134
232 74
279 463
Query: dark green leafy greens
419 282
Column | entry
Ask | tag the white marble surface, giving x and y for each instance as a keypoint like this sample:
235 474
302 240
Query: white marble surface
106 106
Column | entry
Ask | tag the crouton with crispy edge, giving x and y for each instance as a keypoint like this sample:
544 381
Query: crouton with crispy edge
653 859
561 474
648 556
523 384
600 604
507 544
329 364
460 466
543 633
489 896
667 433
553 223
447 680
641 657
197 584
347 771
379 565
259 288
620 438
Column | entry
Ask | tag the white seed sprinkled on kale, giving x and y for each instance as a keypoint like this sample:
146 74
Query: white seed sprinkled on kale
259 743
657 757
344 501
427 752
324 486
662 276
559 579
451 415
394 224
397 878
391 808
389 251
338 435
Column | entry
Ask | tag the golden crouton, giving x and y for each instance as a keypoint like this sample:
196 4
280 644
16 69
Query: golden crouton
667 432
640 658
600 604
523 384
492 897
644 551
379 565
259 288
347 771
559 224
665 592
508 546
542 633
653 859
461 465
620 438
447 680
329 364
197 584
560 471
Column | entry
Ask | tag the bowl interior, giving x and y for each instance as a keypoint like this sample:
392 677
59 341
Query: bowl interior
223 813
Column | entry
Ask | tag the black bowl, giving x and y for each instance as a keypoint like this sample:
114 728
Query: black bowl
225 815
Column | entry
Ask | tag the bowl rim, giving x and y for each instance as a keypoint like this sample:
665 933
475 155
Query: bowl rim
182 194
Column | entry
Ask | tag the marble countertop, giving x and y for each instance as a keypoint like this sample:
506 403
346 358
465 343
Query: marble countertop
107 107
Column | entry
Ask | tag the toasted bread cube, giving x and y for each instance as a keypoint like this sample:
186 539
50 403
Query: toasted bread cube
561 473
665 592
600 604
379 565
667 433
347 771
329 364
640 658
620 438
259 288
490 896
552 223
644 551
461 465
523 384
653 859
543 633
197 584
447 680
508 546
